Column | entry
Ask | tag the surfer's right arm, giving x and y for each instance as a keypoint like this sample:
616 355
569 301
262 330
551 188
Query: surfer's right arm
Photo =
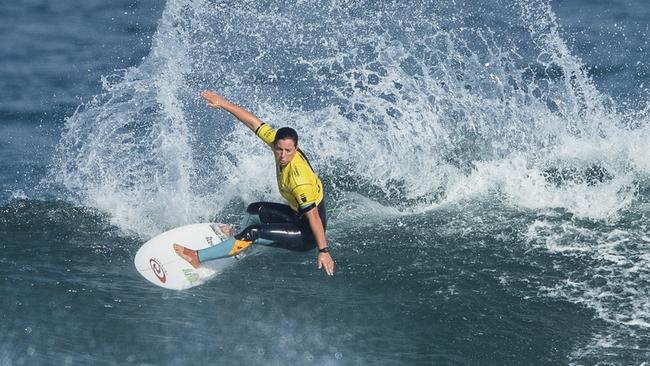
217 101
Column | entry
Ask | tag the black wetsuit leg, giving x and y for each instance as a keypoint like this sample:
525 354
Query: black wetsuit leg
281 225
271 212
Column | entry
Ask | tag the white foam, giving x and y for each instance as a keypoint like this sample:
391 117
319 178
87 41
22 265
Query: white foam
449 115
18 194
605 276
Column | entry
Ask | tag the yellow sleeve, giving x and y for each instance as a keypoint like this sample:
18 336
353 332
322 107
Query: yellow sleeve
306 196
266 133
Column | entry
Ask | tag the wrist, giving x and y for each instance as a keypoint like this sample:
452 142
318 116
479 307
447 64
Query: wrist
323 250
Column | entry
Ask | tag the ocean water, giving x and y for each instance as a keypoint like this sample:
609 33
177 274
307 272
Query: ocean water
487 168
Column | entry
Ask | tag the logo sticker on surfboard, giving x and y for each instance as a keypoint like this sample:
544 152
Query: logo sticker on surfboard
191 276
158 270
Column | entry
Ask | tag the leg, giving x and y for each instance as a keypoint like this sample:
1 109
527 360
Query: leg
269 212
225 249
260 213
281 227
281 235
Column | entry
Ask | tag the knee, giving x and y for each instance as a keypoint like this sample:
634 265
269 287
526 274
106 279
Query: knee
254 208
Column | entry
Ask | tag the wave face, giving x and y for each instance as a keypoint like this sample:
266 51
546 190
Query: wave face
404 109
405 102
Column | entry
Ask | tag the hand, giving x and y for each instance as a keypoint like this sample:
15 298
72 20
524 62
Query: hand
326 262
214 100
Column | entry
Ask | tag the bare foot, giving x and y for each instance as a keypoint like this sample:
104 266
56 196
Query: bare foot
226 229
191 256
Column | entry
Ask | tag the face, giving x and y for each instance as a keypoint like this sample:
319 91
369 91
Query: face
284 151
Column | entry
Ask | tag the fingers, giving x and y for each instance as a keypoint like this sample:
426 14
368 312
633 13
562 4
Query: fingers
327 265
212 98
207 95
329 270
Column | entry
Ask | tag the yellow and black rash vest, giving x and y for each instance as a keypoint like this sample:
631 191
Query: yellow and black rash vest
297 181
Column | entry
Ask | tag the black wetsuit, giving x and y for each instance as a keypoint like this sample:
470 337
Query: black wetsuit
284 227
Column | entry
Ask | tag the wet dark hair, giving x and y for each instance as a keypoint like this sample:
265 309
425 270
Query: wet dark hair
286 133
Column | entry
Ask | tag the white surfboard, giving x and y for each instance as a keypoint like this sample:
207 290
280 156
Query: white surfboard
157 261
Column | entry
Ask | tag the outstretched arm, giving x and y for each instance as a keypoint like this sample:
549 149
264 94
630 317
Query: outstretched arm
217 101
325 260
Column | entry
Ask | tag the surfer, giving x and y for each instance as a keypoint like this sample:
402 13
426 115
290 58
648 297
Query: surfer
301 224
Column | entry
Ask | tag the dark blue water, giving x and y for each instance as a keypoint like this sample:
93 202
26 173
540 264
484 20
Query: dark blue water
487 168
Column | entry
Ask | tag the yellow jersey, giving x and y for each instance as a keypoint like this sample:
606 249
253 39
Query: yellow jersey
297 181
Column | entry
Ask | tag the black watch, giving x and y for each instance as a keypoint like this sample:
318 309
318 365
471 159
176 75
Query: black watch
324 250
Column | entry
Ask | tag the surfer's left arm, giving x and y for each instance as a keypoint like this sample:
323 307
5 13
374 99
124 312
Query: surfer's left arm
325 260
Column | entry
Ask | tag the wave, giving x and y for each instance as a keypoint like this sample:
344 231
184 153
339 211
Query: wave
401 107
410 105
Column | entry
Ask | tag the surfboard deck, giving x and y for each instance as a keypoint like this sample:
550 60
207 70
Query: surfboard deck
157 261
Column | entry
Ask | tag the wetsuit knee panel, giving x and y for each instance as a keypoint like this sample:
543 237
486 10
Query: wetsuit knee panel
254 208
